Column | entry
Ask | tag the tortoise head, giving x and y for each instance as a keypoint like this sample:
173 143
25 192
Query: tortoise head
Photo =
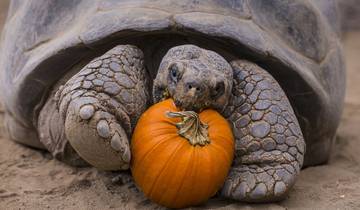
195 78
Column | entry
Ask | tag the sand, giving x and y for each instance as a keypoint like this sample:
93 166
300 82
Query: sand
32 179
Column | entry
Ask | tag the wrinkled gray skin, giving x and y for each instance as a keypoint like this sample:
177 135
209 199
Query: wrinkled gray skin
76 76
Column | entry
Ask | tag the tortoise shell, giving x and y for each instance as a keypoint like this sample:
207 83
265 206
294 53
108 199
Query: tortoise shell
296 41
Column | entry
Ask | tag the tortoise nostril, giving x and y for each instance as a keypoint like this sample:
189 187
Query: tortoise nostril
193 86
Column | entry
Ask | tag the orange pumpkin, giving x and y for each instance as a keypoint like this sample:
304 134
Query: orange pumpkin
180 159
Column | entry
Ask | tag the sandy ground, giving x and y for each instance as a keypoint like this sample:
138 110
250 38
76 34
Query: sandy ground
31 179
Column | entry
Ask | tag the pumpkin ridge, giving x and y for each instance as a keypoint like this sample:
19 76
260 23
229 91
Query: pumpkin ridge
219 130
190 170
222 167
219 149
214 177
205 157
157 121
155 146
201 195
190 195
221 140
208 160
164 131
147 153
182 181
178 146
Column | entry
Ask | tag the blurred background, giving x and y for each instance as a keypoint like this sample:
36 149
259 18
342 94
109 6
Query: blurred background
31 179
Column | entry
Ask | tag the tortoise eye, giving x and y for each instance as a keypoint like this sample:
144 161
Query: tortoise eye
218 90
174 73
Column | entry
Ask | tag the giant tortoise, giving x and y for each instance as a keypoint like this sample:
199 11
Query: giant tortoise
76 76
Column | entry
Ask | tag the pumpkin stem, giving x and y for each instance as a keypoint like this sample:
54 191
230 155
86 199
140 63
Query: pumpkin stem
191 127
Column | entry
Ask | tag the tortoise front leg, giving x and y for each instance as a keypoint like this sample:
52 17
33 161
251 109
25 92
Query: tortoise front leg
99 106
269 143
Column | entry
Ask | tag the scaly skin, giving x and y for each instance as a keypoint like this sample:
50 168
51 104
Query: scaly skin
269 143
99 106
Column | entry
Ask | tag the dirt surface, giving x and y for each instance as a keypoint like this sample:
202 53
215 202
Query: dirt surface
31 179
